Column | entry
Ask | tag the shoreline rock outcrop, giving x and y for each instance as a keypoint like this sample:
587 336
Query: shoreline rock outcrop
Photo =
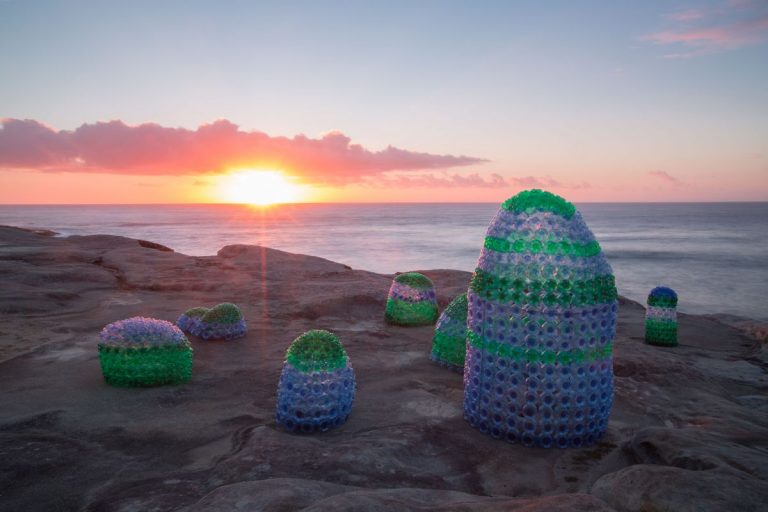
688 430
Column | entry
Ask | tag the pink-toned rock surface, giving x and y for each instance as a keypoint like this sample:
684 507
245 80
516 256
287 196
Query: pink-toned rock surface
689 429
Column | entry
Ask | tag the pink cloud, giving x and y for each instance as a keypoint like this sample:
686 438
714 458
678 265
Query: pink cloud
474 180
687 15
731 36
546 182
706 31
430 180
666 177
150 149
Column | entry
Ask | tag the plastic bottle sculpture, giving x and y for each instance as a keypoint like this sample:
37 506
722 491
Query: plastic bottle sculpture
144 352
190 320
221 322
541 324
450 342
411 300
661 317
317 384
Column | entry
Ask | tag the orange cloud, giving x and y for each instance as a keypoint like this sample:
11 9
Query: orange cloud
150 149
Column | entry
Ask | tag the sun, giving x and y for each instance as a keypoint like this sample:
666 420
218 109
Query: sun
259 187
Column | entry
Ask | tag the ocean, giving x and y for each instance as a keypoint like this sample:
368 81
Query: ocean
715 255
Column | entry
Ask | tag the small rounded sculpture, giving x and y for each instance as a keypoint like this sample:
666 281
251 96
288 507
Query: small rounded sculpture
540 327
449 345
661 317
142 352
189 321
317 384
222 322
411 300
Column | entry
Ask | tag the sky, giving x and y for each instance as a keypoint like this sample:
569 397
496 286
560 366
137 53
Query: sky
428 101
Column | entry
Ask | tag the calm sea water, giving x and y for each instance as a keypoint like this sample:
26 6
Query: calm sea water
714 254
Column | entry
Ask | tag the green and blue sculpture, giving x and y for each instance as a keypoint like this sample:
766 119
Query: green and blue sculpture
449 344
224 321
317 384
542 307
142 352
661 317
411 301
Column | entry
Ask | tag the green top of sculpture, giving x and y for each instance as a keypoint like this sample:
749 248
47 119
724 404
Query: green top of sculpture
224 313
535 200
457 309
197 312
414 280
315 351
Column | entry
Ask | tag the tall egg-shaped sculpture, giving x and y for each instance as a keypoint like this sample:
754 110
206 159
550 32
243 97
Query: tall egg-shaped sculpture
540 325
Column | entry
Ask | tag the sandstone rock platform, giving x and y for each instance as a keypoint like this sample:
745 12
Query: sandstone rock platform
688 432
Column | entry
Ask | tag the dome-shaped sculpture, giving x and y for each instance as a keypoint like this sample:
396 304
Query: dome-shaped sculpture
222 322
412 300
189 321
541 322
144 352
449 344
661 317
317 384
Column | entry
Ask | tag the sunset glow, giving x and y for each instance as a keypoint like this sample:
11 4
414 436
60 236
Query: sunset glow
654 101
258 187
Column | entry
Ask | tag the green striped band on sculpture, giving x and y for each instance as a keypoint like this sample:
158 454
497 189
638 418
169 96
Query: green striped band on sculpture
662 301
449 343
407 313
448 350
533 355
550 292
541 320
660 332
562 247
143 351
146 366
411 301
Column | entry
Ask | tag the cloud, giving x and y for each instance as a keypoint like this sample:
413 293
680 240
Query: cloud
545 182
713 30
150 149
726 36
687 15
430 180
666 177
474 180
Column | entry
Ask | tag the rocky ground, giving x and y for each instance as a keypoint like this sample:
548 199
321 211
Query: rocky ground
689 429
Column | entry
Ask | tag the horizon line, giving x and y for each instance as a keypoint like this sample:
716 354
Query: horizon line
268 206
